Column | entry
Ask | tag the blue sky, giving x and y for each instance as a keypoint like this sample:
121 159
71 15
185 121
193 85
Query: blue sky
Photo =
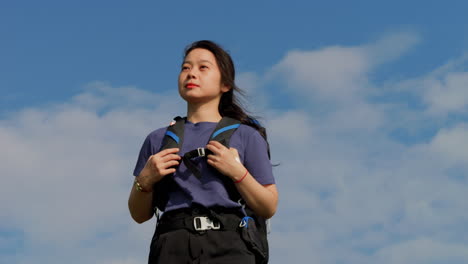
365 104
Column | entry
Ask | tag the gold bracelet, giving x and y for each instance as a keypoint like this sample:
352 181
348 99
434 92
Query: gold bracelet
138 186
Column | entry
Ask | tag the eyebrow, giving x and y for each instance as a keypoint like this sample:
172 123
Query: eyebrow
200 61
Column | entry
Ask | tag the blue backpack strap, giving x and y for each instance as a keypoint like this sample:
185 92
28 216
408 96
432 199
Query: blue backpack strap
224 130
173 138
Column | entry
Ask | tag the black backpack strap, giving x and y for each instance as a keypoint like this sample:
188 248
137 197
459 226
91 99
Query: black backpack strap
224 130
254 234
173 138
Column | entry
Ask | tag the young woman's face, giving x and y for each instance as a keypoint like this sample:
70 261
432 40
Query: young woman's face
200 78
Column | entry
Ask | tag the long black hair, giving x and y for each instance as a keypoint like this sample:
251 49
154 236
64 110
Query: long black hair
229 104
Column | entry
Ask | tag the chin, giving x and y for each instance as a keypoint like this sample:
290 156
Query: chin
191 99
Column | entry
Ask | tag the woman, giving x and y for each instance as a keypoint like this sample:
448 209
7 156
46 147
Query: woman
206 83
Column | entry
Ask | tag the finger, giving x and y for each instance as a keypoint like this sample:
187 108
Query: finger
211 162
216 144
168 171
167 168
162 163
170 157
233 150
213 148
167 151
210 157
170 164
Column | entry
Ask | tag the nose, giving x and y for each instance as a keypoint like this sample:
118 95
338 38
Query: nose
192 73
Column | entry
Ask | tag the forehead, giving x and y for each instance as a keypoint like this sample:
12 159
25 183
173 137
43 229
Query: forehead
200 55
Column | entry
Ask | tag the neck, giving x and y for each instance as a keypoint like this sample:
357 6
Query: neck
203 113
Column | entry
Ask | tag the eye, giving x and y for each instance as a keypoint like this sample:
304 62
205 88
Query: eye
185 68
203 67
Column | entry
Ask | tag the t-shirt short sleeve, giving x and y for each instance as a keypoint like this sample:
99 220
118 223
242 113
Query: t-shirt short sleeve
150 146
256 158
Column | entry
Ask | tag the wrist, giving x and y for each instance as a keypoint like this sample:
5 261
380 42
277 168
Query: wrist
242 177
141 187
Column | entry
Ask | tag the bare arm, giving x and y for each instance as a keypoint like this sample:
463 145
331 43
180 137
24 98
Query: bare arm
262 199
139 204
157 166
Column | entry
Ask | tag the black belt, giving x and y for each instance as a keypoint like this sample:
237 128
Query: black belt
199 220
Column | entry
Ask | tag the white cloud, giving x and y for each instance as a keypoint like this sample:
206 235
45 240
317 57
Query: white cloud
390 47
343 174
343 205
332 72
340 73
423 250
449 94
442 91
69 166
292 131
254 99
451 144
98 95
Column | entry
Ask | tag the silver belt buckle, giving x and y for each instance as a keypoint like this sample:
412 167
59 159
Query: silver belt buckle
203 223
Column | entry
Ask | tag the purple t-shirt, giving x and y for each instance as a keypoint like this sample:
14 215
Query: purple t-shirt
209 191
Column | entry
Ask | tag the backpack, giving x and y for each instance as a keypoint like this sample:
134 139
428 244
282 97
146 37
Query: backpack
256 234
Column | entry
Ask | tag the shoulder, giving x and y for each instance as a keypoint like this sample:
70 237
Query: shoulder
248 131
247 135
155 138
158 133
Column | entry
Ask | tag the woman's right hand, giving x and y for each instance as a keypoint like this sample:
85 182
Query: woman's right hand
158 166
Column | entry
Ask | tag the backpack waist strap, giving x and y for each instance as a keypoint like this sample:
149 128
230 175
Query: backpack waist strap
198 221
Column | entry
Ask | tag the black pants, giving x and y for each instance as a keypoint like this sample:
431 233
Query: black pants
210 247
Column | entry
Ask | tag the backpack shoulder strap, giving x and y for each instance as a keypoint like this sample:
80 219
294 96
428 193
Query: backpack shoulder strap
173 138
224 130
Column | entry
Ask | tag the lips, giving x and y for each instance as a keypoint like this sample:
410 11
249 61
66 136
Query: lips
191 85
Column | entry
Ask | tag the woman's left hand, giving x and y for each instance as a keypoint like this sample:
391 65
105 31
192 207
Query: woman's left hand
225 160
262 199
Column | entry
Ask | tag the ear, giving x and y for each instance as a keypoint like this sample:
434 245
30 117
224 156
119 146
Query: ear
225 88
